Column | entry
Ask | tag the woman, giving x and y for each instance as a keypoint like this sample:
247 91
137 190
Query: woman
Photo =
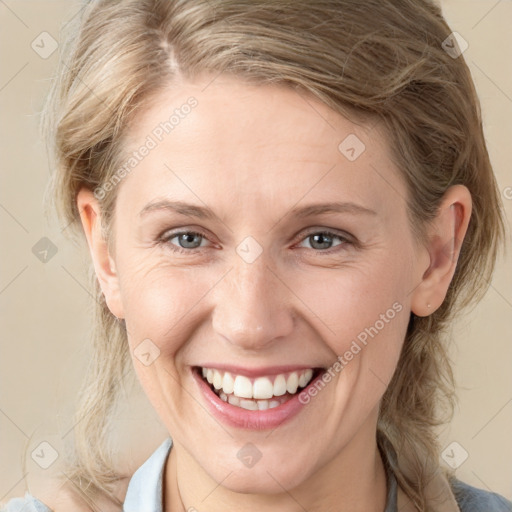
285 203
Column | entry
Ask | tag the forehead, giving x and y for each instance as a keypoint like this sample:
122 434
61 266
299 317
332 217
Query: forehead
227 139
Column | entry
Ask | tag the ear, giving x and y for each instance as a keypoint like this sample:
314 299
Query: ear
104 264
445 236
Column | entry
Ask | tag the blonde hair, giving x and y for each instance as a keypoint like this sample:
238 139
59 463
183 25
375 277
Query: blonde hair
378 59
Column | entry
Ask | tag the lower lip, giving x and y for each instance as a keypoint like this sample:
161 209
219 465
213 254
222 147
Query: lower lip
243 418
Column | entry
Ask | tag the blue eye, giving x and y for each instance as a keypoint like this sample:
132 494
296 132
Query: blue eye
188 240
322 240
191 241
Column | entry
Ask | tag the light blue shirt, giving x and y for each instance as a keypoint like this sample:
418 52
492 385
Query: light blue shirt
145 488
144 492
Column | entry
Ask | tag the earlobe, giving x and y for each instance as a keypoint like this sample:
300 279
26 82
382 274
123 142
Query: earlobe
445 237
104 264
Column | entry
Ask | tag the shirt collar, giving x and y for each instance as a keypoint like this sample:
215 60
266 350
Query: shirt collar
144 492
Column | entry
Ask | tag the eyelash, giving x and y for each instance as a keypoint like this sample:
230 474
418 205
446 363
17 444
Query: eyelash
167 237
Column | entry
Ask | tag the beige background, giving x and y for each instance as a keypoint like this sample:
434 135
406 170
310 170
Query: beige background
44 306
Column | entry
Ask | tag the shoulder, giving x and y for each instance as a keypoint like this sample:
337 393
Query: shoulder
70 498
64 500
26 504
471 499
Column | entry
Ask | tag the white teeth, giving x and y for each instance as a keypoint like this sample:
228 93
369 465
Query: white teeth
262 388
262 405
233 388
292 383
228 383
250 405
234 400
217 379
279 386
242 387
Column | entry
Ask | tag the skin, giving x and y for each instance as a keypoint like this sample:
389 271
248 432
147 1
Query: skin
252 154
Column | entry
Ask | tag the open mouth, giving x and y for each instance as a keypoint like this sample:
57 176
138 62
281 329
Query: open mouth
260 393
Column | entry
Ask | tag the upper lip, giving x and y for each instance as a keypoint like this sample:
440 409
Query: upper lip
257 371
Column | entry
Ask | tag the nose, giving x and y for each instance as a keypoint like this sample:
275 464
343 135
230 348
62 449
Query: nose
253 307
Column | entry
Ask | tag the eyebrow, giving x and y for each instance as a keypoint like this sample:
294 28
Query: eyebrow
187 209
332 207
200 212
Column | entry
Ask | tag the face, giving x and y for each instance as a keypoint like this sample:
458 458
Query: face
264 243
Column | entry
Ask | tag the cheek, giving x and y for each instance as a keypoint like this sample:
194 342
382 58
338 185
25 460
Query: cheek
363 316
158 302
367 301
159 314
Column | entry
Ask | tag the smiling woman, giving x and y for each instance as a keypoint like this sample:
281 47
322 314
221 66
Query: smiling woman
279 263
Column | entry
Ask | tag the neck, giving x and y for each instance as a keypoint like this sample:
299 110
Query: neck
354 480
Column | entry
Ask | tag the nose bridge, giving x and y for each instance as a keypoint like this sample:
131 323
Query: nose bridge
251 309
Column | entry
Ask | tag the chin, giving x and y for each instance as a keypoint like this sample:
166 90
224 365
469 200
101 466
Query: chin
266 478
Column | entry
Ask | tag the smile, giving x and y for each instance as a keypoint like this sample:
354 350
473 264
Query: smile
259 393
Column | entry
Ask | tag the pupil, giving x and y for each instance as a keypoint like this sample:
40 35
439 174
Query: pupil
188 238
322 239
